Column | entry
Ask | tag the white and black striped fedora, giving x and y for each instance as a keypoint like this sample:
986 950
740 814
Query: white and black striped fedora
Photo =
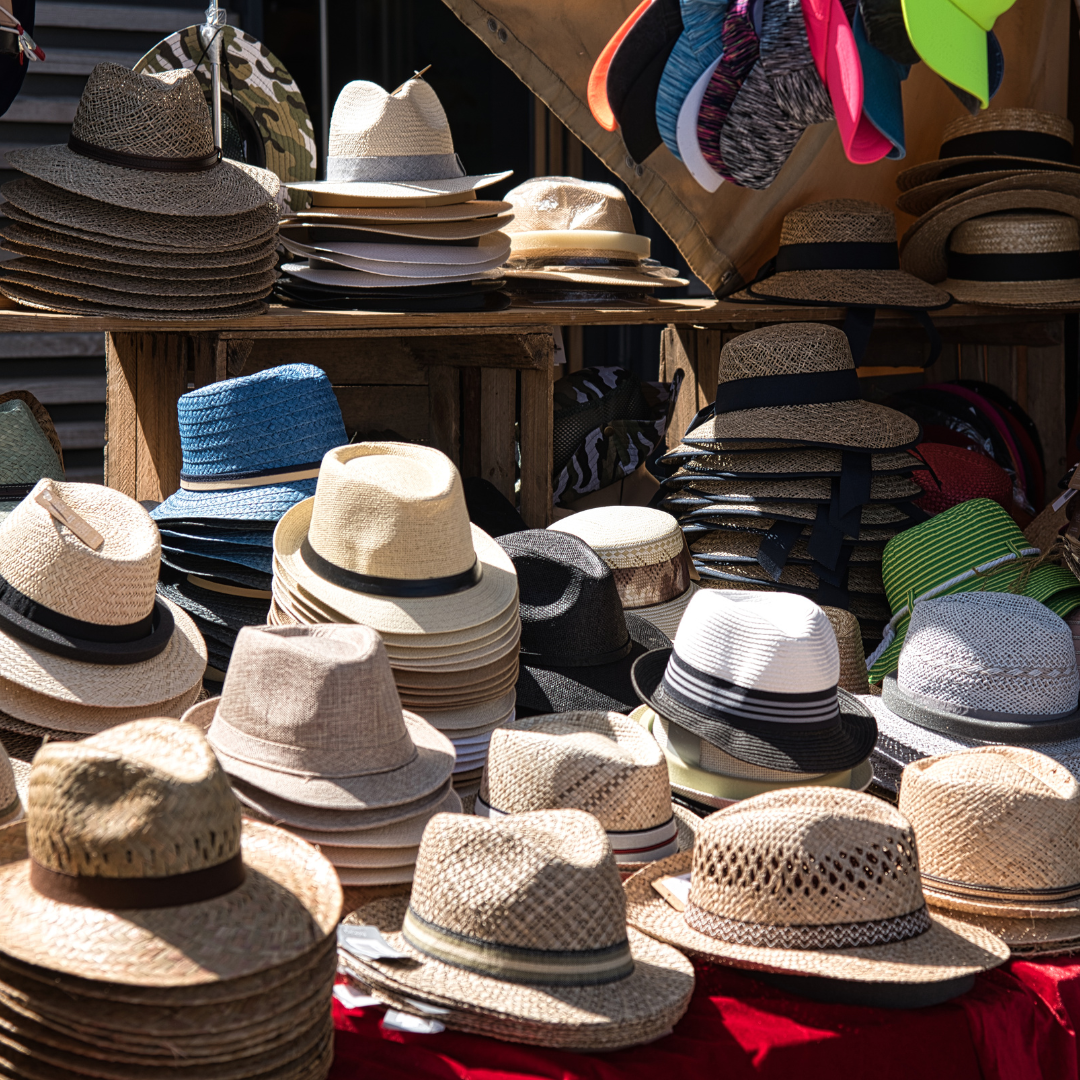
756 675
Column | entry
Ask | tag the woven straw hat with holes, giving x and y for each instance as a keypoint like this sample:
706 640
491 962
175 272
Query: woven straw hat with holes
647 555
997 830
818 882
517 926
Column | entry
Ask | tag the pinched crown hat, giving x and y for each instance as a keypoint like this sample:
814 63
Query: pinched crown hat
252 446
518 925
135 836
820 882
143 142
311 714
29 448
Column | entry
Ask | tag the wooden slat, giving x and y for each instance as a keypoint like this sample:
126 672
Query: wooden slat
399 409
121 425
444 410
1046 406
83 61
161 363
29 109
157 20
204 349
536 443
81 434
24 346
678 353
61 390
470 421
345 360
498 405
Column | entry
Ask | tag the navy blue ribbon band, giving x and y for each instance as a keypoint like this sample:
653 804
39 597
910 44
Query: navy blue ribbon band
850 255
370 585
138 161
1016 144
11 492
808 388
1039 266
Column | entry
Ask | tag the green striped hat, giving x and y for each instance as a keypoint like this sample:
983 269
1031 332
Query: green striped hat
973 546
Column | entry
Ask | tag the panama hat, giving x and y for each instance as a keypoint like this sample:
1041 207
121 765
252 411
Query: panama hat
562 970
975 545
391 147
1018 804
850 911
29 448
143 142
597 94
647 555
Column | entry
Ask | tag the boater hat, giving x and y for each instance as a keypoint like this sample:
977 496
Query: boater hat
135 836
143 142
816 882
518 927
29 448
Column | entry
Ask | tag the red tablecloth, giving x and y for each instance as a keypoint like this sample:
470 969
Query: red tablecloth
1017 1023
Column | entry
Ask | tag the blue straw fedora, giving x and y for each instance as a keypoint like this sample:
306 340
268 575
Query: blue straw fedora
252 446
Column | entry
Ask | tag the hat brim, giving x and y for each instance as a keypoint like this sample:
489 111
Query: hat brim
686 132
637 1009
1044 295
599 275
947 950
361 217
491 245
229 614
999 175
1026 935
488 715
267 503
771 745
667 616
410 189
27 296
340 278
446 232
950 43
866 288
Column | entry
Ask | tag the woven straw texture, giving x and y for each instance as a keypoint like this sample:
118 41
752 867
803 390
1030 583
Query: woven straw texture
817 864
860 579
727 545
782 463
626 536
563 204
849 642
46 301
871 514
758 526
815 489
27 449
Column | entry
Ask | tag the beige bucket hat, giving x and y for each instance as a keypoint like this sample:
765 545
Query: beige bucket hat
647 555
997 828
80 621
145 814
518 927
855 913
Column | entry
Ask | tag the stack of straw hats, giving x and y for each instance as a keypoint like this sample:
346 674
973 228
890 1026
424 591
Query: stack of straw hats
386 542
29 448
310 729
138 215
85 641
396 224
148 932
790 480
252 448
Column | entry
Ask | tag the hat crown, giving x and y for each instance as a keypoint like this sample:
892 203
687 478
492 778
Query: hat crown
1009 120
839 221
392 510
602 763
26 455
155 116
806 857
991 651
1002 816
45 561
285 415
1015 234
146 799
369 122
545 880
786 349
626 536
564 203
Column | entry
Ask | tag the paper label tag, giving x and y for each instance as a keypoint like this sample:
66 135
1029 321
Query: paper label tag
67 517
1066 495
366 943
354 999
417 1025
427 1008
675 889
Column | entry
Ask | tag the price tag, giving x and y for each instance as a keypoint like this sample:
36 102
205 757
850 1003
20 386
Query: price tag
366 943
66 516
675 889
417 1025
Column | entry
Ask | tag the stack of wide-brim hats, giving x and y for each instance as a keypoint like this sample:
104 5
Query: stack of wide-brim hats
387 542
224 968
311 732
137 215
799 496
251 449
80 560
396 224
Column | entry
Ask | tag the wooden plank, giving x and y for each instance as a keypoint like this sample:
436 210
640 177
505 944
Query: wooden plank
62 390
1046 406
486 350
161 362
25 346
498 406
121 427
536 442
80 434
470 420
345 360
29 109
444 410
678 355
83 61
384 412
203 350
157 20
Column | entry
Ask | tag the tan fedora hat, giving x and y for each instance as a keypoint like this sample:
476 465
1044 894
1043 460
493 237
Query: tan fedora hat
852 655
80 620
602 763
518 926
387 542
996 827
837 895
144 812
144 142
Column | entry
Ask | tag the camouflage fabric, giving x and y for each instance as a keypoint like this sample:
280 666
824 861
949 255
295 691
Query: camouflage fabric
606 423
263 93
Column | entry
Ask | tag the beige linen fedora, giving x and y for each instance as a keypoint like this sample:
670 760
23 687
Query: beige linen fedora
818 882
80 621
518 927
602 763
134 838
998 829
386 541
647 555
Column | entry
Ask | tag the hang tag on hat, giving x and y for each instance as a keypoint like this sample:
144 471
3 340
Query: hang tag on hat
427 1008
61 512
416 1025
1070 491
366 943
353 998
675 889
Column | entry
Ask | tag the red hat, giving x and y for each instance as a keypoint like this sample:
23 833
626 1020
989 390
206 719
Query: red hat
956 475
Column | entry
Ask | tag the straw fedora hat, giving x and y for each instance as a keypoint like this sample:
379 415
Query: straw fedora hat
144 142
602 763
647 555
820 403
882 489
518 926
14 778
996 828
783 463
729 546
386 541
849 642
144 812
392 146
82 624
756 675
29 448
850 910
579 232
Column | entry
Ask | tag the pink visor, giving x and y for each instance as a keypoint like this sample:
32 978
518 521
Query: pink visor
596 94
